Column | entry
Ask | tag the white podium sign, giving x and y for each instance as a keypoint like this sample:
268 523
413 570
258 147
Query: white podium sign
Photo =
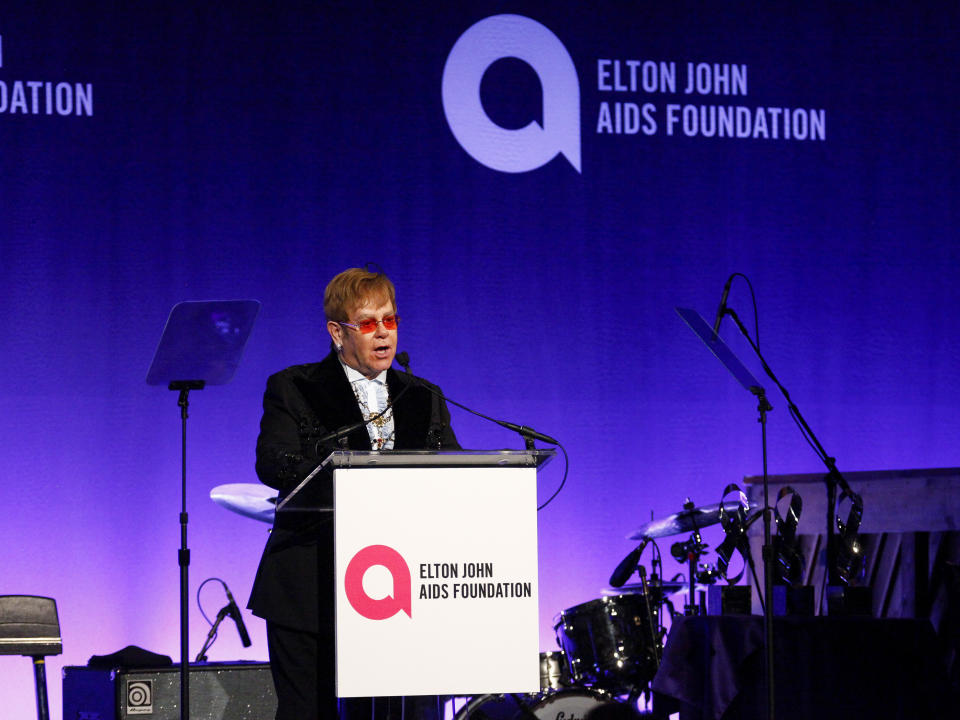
436 581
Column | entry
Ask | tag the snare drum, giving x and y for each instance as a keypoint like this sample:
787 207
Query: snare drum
608 642
567 704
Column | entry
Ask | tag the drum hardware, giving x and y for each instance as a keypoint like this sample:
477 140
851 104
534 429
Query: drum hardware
656 586
691 550
651 622
704 573
670 588
660 590
570 704
554 672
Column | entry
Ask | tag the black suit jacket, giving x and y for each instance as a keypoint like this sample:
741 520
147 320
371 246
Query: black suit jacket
294 585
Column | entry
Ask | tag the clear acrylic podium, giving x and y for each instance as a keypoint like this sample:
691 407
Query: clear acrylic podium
435 552
314 492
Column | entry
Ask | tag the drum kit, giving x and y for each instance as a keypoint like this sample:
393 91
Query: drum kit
609 647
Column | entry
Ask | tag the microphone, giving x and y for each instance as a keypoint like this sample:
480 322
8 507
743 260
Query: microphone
404 360
723 305
339 433
526 432
627 566
234 612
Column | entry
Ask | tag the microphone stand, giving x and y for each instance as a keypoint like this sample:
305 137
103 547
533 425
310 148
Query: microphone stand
211 636
763 407
651 621
833 479
750 383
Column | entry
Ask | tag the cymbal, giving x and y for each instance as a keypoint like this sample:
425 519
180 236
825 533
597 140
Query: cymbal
252 500
683 522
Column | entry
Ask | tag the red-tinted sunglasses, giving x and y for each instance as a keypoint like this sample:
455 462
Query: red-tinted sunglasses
370 325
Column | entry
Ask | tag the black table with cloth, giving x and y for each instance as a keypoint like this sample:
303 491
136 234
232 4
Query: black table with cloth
825 667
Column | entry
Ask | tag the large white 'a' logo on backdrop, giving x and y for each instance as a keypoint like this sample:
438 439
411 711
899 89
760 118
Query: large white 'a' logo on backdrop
499 148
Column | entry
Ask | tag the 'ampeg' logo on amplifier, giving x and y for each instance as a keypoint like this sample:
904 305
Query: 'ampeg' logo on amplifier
140 697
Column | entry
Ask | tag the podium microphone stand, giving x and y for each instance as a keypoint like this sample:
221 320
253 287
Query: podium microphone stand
730 361
201 345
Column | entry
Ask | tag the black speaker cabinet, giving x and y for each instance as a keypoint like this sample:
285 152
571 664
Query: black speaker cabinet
218 691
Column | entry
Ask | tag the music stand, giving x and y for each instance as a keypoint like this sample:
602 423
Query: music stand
200 345
726 356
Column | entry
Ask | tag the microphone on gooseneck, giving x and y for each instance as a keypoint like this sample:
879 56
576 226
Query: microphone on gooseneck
721 311
434 434
527 432
336 435
404 360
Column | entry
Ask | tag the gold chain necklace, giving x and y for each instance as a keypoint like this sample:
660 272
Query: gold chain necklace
378 421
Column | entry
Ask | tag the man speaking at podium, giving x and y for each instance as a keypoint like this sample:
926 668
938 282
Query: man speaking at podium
353 389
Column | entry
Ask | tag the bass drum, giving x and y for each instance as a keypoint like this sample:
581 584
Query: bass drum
567 704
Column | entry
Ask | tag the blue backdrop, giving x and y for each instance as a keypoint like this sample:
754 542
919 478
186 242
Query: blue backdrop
156 152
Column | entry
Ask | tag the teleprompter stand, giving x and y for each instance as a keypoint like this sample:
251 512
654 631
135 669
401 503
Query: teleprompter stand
730 361
201 345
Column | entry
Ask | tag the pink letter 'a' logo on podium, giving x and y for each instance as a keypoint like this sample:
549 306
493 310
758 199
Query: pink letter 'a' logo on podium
390 605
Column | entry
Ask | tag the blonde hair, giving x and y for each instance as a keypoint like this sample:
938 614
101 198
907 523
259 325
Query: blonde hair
355 288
